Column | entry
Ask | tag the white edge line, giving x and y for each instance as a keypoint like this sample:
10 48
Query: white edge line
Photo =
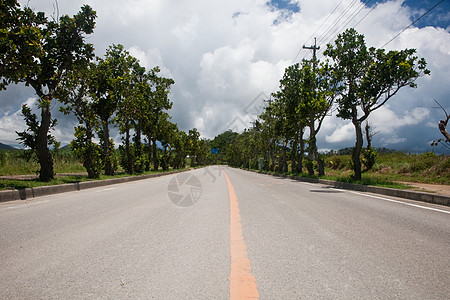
385 199
105 189
27 204
309 183
401 202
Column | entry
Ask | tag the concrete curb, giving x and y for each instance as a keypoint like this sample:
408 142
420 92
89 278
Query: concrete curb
412 195
23 194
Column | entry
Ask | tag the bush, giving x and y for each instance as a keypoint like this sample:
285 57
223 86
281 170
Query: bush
338 162
424 162
368 157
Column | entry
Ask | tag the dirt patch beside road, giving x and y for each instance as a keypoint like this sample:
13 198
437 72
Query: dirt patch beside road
440 189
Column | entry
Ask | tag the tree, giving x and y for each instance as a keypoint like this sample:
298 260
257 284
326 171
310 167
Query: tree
165 133
108 88
369 153
180 144
442 125
39 53
269 136
29 136
156 102
283 110
308 95
221 142
143 97
193 145
20 41
75 95
204 154
368 79
129 105
289 97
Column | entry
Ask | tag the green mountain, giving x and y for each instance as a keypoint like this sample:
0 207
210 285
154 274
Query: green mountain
6 147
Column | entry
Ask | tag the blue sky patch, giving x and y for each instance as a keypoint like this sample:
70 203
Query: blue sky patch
438 17
284 5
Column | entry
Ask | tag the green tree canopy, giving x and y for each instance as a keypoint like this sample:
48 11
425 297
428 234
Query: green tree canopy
39 52
368 78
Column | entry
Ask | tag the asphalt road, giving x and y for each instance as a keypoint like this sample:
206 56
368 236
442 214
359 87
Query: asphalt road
177 237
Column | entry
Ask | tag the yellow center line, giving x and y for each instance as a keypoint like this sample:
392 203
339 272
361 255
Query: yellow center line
242 282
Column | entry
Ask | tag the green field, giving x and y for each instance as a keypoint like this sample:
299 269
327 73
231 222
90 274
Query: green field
397 166
390 169
14 162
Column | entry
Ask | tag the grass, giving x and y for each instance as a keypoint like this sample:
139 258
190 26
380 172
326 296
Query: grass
32 183
369 180
366 179
398 166
14 163
390 170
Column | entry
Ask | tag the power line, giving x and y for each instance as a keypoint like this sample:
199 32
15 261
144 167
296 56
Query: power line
325 20
340 26
337 22
375 6
437 4
347 20
329 15
344 17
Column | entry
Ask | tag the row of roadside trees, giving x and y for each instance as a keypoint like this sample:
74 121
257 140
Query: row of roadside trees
354 80
53 58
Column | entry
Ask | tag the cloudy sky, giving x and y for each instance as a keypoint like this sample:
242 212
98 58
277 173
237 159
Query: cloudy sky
226 57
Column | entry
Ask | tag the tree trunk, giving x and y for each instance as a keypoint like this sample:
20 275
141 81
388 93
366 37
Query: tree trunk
282 161
109 170
271 158
166 159
89 159
138 149
149 154
155 155
321 166
302 152
44 156
294 156
312 152
170 158
357 151
129 157
443 128
368 136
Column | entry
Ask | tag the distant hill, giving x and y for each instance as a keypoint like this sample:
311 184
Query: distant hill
349 151
6 147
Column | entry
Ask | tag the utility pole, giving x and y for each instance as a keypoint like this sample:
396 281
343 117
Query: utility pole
313 48
312 153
